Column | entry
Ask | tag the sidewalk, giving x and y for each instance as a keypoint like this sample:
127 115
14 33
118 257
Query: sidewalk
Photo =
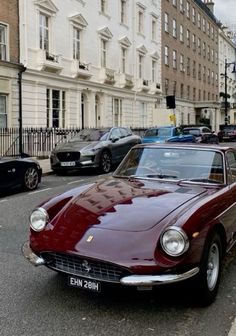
45 165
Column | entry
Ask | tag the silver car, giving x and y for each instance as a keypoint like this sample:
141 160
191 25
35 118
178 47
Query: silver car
99 148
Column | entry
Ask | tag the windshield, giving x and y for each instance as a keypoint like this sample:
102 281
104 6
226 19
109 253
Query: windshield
173 163
159 132
91 135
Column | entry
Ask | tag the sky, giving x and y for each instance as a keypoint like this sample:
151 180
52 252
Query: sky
225 11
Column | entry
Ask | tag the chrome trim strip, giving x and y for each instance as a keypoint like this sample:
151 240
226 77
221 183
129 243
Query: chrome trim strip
31 256
151 280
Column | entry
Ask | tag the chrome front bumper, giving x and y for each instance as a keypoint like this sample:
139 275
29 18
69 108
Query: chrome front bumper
131 280
31 256
152 280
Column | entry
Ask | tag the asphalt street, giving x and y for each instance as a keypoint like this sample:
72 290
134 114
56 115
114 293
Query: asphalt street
38 302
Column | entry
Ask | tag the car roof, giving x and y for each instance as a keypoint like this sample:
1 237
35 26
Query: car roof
185 145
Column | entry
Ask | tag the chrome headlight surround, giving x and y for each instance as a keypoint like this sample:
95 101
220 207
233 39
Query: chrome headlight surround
38 219
174 241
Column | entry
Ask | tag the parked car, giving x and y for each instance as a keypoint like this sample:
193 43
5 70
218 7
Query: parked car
166 134
165 216
227 133
202 134
19 172
99 148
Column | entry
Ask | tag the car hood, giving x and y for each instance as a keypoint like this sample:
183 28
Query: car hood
113 218
77 145
119 204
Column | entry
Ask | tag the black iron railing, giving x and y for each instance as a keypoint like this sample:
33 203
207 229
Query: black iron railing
38 142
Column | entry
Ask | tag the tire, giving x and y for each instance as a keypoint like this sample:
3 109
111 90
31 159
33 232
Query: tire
207 281
31 178
105 162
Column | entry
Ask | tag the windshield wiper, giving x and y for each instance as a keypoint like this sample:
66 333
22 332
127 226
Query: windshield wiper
199 180
161 176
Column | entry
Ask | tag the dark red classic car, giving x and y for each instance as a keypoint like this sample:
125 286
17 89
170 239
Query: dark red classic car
166 215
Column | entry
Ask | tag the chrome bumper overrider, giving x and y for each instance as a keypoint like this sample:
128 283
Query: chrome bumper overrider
151 280
131 280
31 256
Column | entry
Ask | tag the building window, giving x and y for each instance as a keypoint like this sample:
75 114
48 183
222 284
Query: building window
174 28
181 33
188 9
3 111
154 67
123 14
199 20
204 25
181 5
154 29
181 90
140 65
117 112
76 44
199 95
103 6
194 69
143 114
188 91
166 85
103 53
194 41
188 37
194 93
204 49
204 73
181 62
188 66
174 2
140 20
56 108
44 32
193 15
199 71
123 59
3 42
166 22
174 59
166 55
199 46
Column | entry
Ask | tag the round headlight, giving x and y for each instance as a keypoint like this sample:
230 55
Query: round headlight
174 241
38 219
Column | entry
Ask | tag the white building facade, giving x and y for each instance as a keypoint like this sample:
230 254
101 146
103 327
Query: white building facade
227 71
90 63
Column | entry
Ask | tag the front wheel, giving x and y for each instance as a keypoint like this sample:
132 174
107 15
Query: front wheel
208 279
31 178
105 162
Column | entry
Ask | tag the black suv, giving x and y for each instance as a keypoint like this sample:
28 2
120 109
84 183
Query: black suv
227 133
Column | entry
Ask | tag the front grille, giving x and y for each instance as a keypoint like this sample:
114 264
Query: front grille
68 156
88 268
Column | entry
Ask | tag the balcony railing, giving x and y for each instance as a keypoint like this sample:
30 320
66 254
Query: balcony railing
80 69
48 62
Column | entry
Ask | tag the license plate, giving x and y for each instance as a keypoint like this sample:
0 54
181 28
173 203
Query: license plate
68 164
88 284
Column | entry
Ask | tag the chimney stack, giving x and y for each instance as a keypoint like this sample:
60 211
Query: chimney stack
210 4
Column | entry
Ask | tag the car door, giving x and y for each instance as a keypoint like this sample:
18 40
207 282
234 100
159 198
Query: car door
128 140
116 144
8 174
230 214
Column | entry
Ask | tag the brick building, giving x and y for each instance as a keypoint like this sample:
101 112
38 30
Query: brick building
190 60
9 63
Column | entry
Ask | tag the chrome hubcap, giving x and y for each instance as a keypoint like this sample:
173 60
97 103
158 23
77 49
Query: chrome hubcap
106 163
213 265
31 178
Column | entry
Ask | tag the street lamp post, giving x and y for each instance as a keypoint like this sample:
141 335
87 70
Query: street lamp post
227 64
